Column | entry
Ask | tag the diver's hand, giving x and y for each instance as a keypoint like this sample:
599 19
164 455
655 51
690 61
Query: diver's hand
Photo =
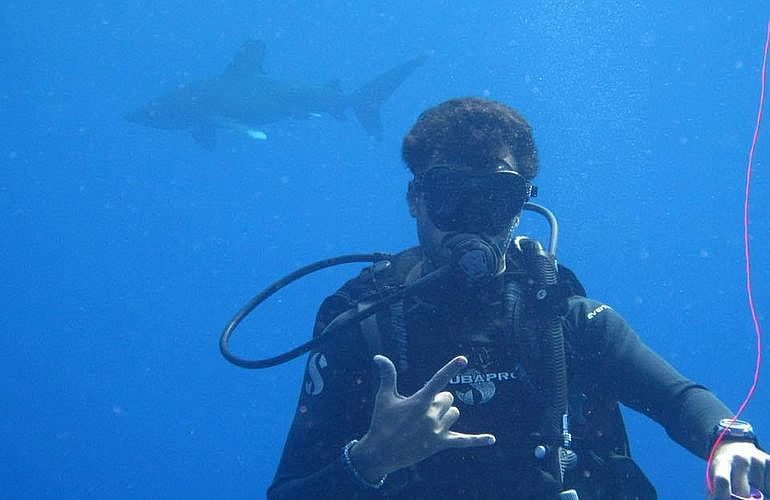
738 466
404 431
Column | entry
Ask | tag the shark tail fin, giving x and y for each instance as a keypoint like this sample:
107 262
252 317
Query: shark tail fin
366 101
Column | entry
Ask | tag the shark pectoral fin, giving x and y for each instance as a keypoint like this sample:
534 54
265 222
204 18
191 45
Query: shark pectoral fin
226 122
205 135
256 134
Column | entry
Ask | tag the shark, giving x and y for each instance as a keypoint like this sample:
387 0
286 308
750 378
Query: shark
244 98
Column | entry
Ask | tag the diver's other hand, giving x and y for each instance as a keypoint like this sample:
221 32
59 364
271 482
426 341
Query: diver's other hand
737 467
407 430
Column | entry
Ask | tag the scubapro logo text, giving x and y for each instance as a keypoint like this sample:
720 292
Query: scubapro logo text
315 385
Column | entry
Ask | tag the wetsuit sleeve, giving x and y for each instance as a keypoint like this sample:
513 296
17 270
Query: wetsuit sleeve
333 409
640 379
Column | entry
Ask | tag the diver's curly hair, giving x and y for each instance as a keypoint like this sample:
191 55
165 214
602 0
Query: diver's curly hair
468 131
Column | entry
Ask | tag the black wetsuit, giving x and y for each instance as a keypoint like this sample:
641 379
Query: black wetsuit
495 394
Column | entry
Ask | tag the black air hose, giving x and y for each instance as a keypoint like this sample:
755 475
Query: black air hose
542 268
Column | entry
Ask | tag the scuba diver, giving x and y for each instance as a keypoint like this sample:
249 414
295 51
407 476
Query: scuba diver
499 379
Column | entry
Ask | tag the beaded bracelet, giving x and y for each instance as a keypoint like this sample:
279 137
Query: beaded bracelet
354 472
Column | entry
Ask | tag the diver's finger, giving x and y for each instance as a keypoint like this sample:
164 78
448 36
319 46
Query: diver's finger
440 404
739 476
442 401
765 484
388 377
460 440
442 377
448 419
720 472
757 472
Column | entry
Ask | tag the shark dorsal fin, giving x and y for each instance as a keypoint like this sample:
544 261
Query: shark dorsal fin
248 60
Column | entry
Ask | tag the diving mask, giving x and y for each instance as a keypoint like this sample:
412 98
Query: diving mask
460 202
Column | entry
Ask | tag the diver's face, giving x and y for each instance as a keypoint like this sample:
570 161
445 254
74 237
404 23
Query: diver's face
449 200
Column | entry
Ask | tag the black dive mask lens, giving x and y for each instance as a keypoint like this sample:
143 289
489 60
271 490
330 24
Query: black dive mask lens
457 201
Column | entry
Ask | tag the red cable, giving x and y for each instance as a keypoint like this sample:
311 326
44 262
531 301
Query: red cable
747 258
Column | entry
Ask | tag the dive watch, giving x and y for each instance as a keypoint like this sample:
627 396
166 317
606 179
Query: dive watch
738 430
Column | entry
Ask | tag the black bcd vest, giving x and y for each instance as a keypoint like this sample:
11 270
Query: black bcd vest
605 469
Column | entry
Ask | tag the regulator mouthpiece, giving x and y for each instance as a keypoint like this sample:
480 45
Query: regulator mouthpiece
475 260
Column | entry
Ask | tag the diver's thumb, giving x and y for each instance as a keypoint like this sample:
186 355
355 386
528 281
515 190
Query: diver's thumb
387 373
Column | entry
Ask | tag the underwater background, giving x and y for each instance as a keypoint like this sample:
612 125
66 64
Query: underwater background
125 249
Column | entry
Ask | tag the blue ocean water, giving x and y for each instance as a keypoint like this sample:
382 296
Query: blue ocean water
126 249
